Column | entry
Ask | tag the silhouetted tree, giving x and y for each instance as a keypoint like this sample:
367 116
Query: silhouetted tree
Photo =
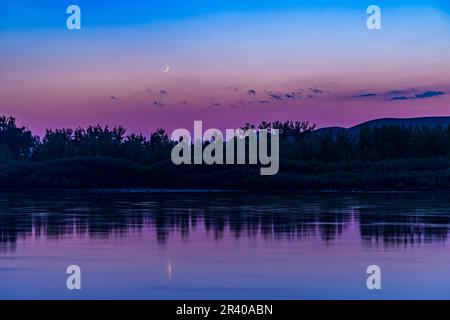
16 143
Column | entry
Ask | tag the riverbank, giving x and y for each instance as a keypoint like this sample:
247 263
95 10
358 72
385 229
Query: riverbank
107 173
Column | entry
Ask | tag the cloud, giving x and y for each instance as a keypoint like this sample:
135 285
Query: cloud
274 96
365 95
423 95
293 95
401 98
429 94
317 90
113 98
269 96
401 95
158 104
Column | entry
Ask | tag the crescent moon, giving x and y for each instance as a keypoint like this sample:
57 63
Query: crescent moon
167 69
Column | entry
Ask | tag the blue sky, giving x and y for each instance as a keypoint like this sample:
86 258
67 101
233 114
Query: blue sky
23 14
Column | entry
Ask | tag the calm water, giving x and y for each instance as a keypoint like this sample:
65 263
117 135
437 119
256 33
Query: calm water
224 246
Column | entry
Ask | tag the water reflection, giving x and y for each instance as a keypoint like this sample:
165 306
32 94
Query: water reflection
380 219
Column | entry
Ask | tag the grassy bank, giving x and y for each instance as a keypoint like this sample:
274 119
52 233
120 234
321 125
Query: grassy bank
103 172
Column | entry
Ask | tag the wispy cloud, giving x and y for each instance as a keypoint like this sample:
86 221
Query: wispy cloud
401 95
423 95
366 95
429 94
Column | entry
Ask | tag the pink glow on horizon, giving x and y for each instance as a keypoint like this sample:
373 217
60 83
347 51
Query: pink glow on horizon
323 112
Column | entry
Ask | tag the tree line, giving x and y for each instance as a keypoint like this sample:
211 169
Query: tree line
299 141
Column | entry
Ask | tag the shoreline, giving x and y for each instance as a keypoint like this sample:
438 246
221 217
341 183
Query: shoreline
221 191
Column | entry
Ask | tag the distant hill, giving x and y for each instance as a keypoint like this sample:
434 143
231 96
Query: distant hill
409 122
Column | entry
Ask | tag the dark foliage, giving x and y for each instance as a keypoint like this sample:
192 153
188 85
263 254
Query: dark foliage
387 157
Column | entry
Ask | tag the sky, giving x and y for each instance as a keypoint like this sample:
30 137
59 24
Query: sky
228 62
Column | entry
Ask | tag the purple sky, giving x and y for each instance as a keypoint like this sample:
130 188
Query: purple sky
228 65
